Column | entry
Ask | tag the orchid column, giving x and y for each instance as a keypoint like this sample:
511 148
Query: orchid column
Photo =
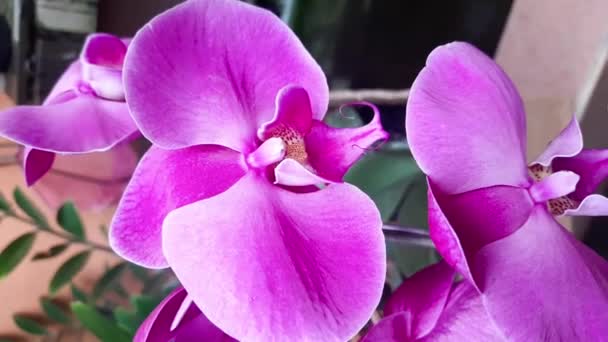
228 197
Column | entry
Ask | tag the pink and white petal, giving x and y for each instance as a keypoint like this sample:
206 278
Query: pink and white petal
194 327
102 59
445 238
466 222
36 163
423 297
293 114
393 328
80 123
278 264
269 152
592 205
567 144
465 122
465 319
590 165
555 185
156 327
291 173
332 151
163 181
209 67
93 181
104 50
541 284
200 329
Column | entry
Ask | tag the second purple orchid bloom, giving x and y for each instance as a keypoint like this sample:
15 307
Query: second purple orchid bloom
85 112
492 216
227 196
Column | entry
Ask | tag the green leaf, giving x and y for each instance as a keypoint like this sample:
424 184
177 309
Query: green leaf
78 294
4 205
412 213
68 219
127 320
54 311
102 327
414 208
51 252
29 325
107 279
12 255
384 176
68 270
30 209
144 305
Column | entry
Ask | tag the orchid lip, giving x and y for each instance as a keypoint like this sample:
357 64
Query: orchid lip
553 188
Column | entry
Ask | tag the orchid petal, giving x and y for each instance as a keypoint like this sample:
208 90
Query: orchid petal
278 264
423 297
592 205
157 325
209 67
163 181
466 222
102 59
332 151
435 309
392 328
465 319
291 173
590 165
36 163
568 143
465 122
101 124
572 307
93 181
193 327
293 114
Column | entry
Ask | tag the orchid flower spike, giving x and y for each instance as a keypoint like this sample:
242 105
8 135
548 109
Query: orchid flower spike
177 319
430 306
228 197
84 112
492 216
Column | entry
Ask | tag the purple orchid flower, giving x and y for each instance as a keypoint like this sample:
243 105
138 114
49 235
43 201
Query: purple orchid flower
430 306
84 112
227 197
177 319
492 215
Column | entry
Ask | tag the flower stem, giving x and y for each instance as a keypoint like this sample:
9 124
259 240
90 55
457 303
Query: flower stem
407 235
68 238
375 96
